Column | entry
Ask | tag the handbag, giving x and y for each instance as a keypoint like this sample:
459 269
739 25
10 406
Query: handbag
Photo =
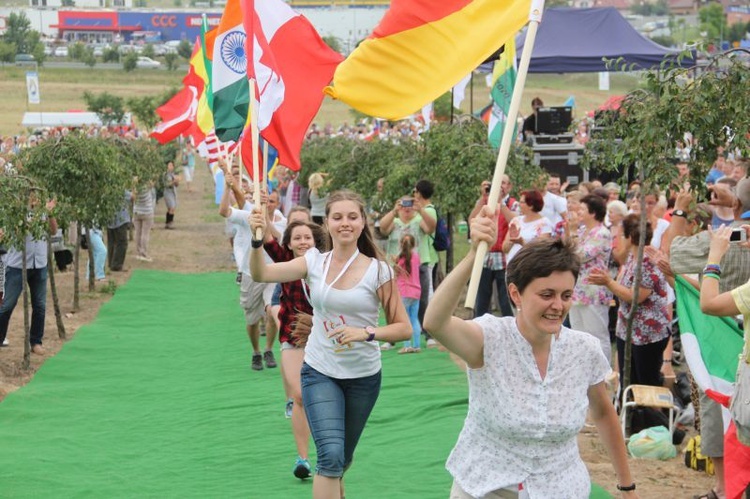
739 404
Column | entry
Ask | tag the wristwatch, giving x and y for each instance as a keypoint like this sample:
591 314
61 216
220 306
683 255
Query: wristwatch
370 333
679 213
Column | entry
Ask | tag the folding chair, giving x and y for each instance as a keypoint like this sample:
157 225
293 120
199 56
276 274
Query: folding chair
657 397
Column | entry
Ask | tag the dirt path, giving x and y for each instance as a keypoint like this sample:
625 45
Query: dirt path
198 245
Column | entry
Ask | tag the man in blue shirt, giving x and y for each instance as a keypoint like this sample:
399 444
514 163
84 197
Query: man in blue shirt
36 278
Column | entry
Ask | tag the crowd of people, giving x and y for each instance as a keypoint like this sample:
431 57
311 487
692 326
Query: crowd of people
338 278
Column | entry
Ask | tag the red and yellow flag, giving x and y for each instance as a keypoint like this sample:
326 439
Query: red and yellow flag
422 48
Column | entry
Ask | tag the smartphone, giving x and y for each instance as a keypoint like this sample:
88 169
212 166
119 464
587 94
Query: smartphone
738 236
407 203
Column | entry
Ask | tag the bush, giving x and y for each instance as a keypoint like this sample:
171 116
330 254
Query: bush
129 61
171 60
111 55
148 51
185 49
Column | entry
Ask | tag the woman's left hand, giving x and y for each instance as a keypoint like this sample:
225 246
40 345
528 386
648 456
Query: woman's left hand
347 334
600 277
484 228
719 242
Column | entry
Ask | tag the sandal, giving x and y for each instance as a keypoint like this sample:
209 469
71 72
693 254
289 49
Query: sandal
406 350
711 494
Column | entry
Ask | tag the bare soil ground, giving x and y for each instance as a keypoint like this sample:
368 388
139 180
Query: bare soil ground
198 245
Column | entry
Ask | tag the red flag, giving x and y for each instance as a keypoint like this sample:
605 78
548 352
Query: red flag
291 64
177 115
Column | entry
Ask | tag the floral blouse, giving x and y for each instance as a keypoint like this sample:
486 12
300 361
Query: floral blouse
594 248
651 323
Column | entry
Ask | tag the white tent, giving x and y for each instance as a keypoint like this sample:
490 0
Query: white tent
67 119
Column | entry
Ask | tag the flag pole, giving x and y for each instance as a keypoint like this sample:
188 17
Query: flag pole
265 164
535 17
256 167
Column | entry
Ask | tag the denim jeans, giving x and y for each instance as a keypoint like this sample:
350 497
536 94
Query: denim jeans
100 254
412 310
337 410
484 293
37 281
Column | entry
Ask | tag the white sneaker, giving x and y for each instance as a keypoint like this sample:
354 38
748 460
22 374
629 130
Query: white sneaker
385 346
432 343
6 342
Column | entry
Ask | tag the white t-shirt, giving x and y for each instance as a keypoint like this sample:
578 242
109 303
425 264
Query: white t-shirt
521 428
529 232
355 307
554 207
661 227
243 237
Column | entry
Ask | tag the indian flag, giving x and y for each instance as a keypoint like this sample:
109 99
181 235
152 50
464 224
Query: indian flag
422 48
231 92
503 82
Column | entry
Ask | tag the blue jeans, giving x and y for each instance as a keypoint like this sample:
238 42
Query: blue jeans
412 310
484 293
337 410
37 281
100 254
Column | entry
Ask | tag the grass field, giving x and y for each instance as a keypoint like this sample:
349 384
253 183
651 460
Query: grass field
62 90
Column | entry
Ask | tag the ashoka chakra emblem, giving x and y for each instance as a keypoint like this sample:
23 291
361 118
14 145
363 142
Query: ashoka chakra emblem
233 52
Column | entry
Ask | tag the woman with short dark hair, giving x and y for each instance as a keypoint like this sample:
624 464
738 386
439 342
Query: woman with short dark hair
531 380
527 227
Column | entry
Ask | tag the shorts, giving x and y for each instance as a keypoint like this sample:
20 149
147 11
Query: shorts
187 173
285 345
276 298
254 298
712 427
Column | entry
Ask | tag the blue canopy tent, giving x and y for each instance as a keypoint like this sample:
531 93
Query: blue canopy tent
577 40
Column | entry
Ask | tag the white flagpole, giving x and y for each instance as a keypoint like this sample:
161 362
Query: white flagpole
265 163
256 166
535 17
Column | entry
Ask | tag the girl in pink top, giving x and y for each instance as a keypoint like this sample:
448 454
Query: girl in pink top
407 280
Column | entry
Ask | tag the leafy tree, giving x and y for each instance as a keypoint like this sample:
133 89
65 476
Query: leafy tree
148 51
8 51
712 20
659 8
144 108
334 43
111 55
185 49
443 107
665 41
76 51
129 61
171 60
17 31
23 212
643 135
86 176
738 31
88 57
109 108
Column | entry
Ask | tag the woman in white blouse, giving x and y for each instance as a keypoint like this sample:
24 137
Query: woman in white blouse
531 381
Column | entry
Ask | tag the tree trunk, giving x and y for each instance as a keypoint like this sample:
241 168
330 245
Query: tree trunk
53 289
449 251
26 321
92 275
76 265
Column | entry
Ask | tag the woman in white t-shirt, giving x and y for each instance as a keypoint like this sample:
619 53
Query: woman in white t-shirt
342 369
531 380
529 226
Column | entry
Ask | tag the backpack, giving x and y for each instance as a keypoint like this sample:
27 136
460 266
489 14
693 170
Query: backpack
441 239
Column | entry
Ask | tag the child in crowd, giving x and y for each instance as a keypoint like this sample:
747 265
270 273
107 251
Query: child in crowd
407 279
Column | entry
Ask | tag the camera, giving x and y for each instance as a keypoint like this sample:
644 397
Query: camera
407 203
486 189
738 236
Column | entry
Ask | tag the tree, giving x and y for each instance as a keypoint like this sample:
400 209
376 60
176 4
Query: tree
185 49
148 51
109 108
17 31
712 20
111 55
76 51
87 177
88 57
651 120
129 62
8 52
23 212
171 60
334 43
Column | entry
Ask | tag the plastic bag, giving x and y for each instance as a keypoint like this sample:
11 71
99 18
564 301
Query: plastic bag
654 443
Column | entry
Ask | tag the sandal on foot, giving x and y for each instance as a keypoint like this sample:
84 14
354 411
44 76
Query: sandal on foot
711 494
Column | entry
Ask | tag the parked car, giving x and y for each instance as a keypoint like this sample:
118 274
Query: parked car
61 51
147 63
25 60
98 51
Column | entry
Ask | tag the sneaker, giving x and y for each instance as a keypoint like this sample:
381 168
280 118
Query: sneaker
238 279
385 346
268 357
288 408
6 342
432 343
301 468
257 364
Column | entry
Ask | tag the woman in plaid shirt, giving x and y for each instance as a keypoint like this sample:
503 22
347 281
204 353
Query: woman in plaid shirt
300 235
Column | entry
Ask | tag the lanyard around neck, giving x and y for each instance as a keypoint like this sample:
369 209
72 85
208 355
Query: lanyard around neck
326 288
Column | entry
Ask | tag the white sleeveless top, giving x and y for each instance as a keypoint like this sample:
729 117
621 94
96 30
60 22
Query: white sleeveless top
521 428
355 307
